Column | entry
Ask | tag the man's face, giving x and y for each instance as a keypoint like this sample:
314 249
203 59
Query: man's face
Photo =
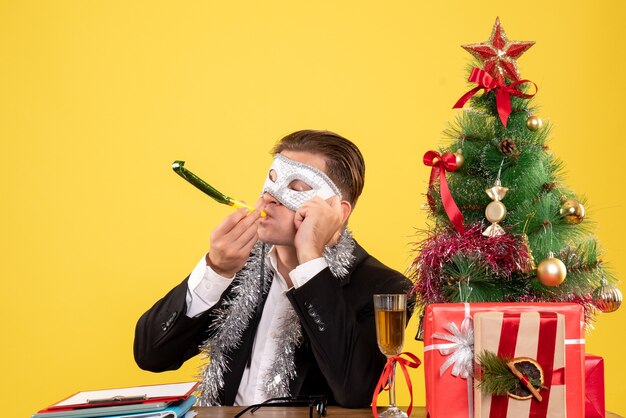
278 226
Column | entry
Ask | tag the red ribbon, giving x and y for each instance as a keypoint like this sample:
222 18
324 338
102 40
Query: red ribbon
440 164
558 377
545 357
506 348
503 92
383 382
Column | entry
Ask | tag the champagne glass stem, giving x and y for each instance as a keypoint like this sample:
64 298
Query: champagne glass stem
392 386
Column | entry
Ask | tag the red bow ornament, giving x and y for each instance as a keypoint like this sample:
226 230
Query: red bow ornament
440 164
503 92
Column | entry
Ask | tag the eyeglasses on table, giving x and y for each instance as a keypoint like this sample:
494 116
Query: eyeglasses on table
318 403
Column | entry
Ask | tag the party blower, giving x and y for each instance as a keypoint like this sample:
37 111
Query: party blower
178 167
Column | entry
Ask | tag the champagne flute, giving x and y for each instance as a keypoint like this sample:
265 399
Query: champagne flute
390 311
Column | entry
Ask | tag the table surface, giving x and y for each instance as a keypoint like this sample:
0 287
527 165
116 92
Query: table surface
295 412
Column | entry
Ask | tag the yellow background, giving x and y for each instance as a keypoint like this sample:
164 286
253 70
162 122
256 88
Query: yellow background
97 99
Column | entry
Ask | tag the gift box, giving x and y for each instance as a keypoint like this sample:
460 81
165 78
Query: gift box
594 387
448 361
538 338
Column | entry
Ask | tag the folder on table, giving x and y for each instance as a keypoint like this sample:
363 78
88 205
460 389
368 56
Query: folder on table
112 402
177 409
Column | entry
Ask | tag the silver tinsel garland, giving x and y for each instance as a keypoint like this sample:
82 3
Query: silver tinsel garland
232 319
340 257
283 369
230 322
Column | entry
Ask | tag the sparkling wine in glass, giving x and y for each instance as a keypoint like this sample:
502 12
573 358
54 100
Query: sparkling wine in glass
390 313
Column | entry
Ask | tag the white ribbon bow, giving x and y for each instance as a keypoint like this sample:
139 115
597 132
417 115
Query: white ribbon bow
461 350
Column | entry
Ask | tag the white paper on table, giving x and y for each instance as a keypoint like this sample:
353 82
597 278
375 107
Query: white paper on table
150 391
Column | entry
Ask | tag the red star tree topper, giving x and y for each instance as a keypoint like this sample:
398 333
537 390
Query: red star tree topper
498 54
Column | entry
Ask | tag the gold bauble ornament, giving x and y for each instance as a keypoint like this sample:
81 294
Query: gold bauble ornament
607 298
534 123
495 211
573 211
459 159
551 271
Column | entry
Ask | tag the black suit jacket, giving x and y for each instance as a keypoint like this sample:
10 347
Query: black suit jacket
339 355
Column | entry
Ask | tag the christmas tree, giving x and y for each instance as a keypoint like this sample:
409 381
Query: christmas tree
505 228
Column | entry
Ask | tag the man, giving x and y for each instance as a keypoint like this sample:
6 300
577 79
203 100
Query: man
281 304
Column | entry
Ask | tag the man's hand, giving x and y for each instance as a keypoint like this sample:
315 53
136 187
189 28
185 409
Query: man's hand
232 241
318 223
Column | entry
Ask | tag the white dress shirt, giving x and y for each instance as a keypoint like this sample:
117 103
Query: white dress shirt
205 287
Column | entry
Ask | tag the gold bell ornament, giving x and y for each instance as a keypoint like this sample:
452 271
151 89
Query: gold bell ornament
551 271
607 298
573 211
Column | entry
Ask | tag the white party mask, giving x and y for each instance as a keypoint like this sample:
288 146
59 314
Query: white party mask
284 171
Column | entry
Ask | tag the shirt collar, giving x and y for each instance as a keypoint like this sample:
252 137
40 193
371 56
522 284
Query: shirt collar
273 259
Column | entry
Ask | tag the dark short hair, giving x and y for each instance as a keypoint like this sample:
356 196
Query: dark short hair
344 162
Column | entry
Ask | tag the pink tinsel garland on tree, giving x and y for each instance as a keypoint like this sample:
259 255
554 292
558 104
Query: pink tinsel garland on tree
502 255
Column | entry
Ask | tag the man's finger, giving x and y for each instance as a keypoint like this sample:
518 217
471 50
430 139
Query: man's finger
248 245
231 221
246 235
334 202
245 223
